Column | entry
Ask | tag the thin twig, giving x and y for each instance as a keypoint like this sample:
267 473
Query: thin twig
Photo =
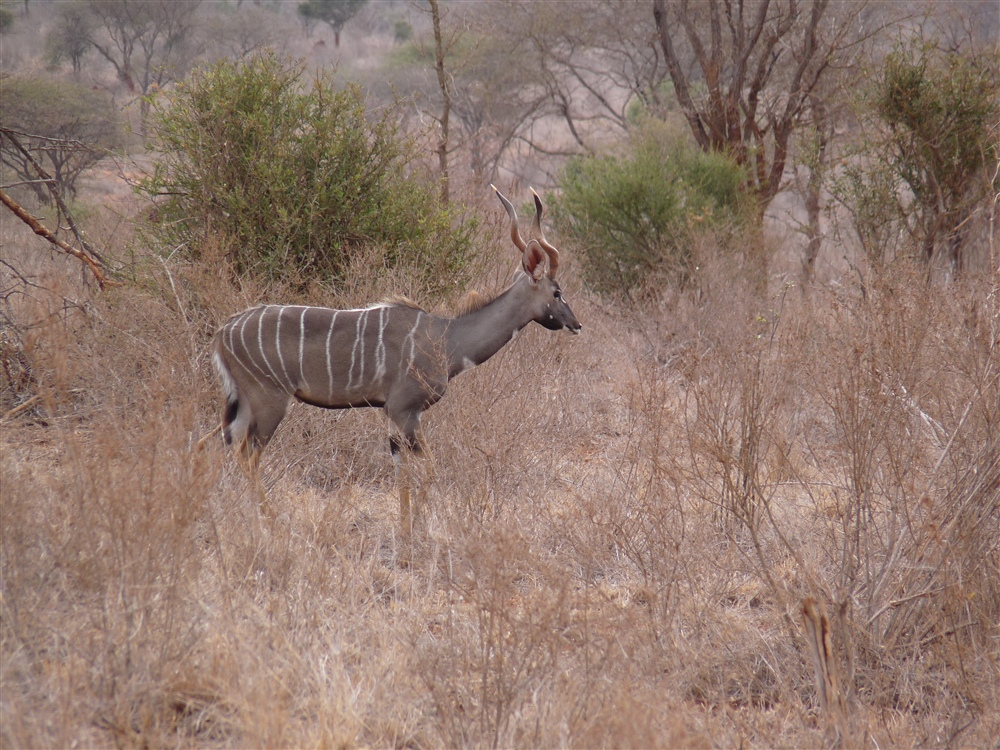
20 407
184 316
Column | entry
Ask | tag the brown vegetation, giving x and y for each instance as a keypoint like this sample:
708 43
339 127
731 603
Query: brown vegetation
738 512
624 526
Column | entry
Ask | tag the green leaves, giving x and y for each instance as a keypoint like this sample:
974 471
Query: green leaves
297 176
633 215
927 165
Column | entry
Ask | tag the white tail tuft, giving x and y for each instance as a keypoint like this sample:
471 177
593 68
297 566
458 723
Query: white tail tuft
228 384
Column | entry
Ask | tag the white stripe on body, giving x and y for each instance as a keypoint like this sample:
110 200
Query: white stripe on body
383 319
277 345
411 337
302 348
248 365
359 342
260 344
329 367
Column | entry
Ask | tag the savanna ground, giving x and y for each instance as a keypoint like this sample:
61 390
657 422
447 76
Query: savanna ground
636 537
622 527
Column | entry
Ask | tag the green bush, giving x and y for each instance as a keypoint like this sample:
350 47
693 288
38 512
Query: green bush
926 167
6 19
940 112
296 178
402 31
634 216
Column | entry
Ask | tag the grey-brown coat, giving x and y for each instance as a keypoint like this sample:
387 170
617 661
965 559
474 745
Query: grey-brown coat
392 355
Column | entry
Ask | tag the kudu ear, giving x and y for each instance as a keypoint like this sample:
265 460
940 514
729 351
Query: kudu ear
533 261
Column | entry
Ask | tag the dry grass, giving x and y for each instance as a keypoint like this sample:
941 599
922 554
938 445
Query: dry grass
621 530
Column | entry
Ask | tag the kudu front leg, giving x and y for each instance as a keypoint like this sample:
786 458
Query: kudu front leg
402 455
413 474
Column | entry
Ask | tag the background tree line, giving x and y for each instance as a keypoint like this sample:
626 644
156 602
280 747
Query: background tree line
888 110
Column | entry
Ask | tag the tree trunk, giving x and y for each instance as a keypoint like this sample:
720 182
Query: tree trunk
813 188
442 149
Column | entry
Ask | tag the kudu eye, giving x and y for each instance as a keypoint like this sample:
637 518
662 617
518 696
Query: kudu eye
557 294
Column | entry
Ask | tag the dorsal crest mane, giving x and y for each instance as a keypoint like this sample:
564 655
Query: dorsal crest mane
471 302
398 300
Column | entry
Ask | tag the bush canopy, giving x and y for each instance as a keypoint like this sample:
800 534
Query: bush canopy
939 113
295 177
633 216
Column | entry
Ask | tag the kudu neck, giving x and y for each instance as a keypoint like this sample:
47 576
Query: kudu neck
476 336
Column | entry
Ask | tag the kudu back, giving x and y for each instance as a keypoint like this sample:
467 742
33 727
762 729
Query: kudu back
392 355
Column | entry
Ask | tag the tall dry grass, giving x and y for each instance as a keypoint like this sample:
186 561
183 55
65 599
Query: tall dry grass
621 528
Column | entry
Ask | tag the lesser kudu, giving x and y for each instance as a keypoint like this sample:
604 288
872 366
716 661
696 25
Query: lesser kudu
392 355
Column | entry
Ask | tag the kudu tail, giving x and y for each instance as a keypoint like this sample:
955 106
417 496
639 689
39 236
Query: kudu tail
233 403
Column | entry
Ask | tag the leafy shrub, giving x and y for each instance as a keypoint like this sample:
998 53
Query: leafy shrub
296 178
633 216
928 162
402 31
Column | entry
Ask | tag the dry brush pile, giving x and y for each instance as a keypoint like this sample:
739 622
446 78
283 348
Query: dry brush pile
740 517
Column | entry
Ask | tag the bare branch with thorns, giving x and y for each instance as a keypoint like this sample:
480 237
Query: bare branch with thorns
88 255
40 229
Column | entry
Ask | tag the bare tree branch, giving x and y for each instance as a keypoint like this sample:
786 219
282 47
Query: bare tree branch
42 231
445 85
681 88
784 48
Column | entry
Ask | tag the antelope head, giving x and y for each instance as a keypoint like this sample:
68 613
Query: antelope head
546 302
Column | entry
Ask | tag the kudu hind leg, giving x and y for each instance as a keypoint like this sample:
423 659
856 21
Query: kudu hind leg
253 427
226 426
204 441
248 456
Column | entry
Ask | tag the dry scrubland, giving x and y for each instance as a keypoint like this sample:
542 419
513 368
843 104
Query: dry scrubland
620 536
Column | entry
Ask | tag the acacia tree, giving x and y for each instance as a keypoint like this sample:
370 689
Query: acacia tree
483 87
70 35
593 65
756 67
574 74
65 127
510 78
925 175
745 74
238 35
940 114
336 13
